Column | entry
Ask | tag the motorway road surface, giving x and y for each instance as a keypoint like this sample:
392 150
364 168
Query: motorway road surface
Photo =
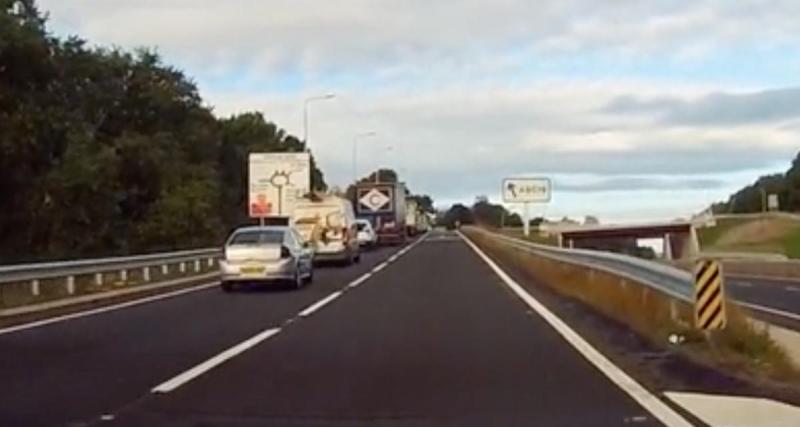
434 338
779 294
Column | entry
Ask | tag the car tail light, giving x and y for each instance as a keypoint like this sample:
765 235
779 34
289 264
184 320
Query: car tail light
285 252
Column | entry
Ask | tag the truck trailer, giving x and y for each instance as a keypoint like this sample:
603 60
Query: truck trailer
384 205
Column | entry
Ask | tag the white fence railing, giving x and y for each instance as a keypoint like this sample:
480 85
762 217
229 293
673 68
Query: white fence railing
184 261
663 278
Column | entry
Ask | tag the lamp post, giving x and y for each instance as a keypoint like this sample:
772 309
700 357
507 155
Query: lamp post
305 113
355 152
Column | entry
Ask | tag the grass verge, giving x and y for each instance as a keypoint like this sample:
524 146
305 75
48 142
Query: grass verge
740 350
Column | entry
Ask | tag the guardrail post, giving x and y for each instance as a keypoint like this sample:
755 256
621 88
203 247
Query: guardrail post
146 274
196 265
35 287
70 285
98 279
165 269
673 311
182 267
210 262
123 275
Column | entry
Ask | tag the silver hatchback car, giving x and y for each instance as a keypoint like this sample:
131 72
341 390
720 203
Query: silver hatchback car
260 254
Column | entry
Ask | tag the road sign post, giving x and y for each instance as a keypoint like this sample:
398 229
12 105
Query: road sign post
526 221
709 292
526 191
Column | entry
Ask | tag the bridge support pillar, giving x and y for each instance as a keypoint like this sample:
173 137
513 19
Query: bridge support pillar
667 250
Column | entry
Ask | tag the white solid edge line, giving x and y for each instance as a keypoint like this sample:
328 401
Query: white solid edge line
215 361
108 308
319 304
650 402
780 313
378 267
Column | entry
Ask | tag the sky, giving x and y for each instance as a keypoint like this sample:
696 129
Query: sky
636 110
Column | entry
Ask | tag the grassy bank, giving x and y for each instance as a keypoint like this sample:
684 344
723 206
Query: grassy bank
740 349
767 235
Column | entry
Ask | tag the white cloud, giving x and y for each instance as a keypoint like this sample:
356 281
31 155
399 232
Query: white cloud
447 84
386 35
470 137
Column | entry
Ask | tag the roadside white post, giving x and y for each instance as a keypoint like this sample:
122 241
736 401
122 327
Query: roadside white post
35 287
70 285
526 191
146 274
182 267
98 279
196 265
526 220
123 275
210 262
164 270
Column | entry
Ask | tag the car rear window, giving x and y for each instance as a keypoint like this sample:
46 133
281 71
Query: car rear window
361 226
257 237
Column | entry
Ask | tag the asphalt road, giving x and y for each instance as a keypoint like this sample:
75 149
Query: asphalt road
774 294
432 339
76 370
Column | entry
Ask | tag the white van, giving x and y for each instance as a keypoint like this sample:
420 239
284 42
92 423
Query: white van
327 222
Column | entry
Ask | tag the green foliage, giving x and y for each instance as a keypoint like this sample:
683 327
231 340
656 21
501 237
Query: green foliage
492 215
106 152
458 214
424 202
753 197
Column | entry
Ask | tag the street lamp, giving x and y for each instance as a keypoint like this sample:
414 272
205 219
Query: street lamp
355 148
305 113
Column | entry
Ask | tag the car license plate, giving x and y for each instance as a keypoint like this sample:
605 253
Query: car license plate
254 270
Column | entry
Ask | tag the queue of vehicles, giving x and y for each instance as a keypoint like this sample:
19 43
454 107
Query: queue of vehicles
320 228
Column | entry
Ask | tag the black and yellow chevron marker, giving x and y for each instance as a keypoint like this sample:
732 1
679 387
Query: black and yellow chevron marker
709 296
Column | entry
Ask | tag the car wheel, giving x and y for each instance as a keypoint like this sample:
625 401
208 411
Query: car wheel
357 259
227 286
310 277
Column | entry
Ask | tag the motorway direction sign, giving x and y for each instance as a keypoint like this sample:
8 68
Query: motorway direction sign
709 301
526 190
276 182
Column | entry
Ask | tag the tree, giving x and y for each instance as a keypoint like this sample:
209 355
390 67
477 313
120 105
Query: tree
458 214
424 202
485 213
106 151
591 220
